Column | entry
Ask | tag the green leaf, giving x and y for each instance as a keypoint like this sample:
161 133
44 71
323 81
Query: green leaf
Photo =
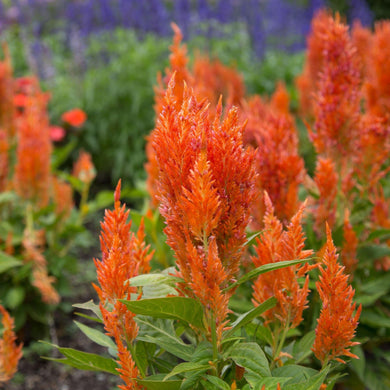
295 372
86 361
14 297
359 365
187 367
97 336
266 268
302 348
162 333
60 154
372 252
152 279
90 306
313 383
178 308
7 262
374 319
218 382
247 317
270 383
251 238
379 233
156 382
251 357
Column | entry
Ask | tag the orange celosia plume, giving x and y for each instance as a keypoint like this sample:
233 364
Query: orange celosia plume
62 197
123 255
271 130
75 117
337 98
337 322
350 243
84 169
205 186
10 353
32 170
277 245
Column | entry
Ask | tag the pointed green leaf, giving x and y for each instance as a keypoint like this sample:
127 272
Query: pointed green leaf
155 382
152 279
373 252
218 382
267 268
178 308
270 383
7 262
187 367
86 361
313 383
90 306
251 357
247 317
302 348
97 336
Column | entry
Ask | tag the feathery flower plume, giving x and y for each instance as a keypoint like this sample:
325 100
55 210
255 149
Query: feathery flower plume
10 353
326 179
7 110
350 243
271 130
362 41
307 81
337 322
205 187
33 244
123 254
378 79
84 169
32 169
4 146
277 245
62 197
337 98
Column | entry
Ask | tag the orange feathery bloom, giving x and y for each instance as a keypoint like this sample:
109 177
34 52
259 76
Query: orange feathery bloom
213 79
32 169
280 100
178 65
33 245
378 78
75 117
337 322
361 39
280 168
62 197
326 179
205 187
307 81
84 169
10 353
337 98
123 255
7 110
277 245
380 217
350 243
4 146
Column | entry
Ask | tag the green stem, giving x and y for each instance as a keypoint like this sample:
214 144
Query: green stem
214 342
283 338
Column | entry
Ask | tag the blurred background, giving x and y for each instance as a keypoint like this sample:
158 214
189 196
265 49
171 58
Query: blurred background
103 56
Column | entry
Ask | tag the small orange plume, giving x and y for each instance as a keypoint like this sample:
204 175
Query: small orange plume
62 197
349 248
84 169
10 353
337 322
124 254
326 179
32 169
273 246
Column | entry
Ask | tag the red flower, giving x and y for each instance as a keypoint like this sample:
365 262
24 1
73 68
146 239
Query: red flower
75 117
57 133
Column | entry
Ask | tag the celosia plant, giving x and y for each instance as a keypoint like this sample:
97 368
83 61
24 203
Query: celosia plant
176 329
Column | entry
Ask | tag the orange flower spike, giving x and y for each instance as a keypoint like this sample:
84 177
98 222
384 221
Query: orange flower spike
7 110
10 353
32 170
350 243
75 117
362 40
84 169
280 101
378 80
337 99
326 179
337 322
141 255
4 147
62 197
44 283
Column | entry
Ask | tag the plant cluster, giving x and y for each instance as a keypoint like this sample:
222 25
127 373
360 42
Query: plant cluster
230 312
